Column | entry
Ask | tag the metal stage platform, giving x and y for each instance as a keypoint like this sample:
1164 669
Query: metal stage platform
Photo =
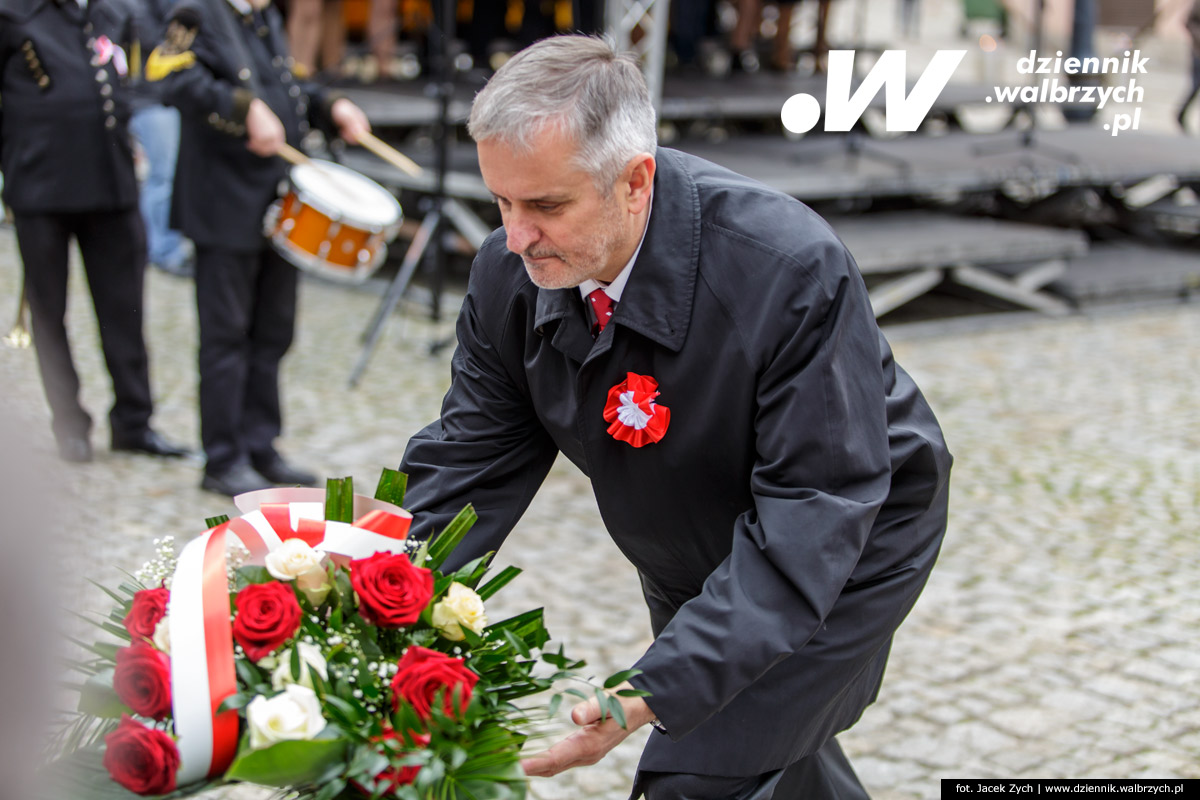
904 253
1128 271
828 167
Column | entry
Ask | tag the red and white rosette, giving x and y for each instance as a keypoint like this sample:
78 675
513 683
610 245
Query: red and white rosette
633 413
201 631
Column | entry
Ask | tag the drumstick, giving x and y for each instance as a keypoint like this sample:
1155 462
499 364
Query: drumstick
389 154
292 155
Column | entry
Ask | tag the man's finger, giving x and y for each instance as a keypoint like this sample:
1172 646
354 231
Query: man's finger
586 712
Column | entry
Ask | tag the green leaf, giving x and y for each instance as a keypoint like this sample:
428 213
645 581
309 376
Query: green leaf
498 582
392 486
555 702
98 698
123 601
517 642
294 667
351 713
331 790
339 499
103 649
213 522
621 677
445 542
289 763
235 701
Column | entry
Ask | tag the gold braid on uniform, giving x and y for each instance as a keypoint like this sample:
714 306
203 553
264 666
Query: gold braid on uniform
175 52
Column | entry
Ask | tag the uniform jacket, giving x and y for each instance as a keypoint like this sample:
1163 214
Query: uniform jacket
222 189
64 139
787 520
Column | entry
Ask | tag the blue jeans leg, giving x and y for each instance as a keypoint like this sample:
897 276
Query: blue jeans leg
157 130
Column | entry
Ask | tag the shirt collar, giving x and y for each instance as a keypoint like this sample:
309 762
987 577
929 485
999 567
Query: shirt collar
614 289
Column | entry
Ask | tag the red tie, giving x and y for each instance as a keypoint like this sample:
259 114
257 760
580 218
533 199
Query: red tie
603 305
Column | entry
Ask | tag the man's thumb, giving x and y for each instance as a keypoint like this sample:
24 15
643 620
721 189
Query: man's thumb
586 713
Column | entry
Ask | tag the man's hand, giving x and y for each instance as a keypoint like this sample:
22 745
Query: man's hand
352 123
264 131
594 740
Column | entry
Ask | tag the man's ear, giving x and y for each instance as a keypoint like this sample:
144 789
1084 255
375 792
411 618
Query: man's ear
638 179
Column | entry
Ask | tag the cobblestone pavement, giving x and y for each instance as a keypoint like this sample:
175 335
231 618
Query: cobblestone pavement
1057 637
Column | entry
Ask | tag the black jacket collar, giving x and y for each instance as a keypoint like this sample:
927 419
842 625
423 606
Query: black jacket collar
657 301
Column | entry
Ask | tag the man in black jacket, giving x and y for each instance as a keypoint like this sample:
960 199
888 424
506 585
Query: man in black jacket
225 65
703 348
68 172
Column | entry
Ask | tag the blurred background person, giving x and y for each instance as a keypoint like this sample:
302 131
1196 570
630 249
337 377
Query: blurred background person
225 64
1193 29
316 33
156 127
68 174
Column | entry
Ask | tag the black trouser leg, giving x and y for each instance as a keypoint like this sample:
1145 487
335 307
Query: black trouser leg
113 246
246 307
43 240
825 775
271 331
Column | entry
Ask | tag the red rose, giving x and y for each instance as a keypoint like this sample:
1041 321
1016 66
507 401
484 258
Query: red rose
395 776
267 616
392 592
141 759
632 412
423 673
148 609
142 680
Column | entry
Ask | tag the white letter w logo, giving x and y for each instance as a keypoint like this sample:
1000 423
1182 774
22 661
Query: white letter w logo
801 111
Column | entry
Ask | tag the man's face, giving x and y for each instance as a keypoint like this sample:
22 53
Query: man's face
562 226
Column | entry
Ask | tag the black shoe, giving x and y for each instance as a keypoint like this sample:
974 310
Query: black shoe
279 471
76 449
149 442
238 479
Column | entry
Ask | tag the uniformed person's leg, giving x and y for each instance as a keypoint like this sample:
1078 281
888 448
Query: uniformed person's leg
272 326
225 286
43 240
113 246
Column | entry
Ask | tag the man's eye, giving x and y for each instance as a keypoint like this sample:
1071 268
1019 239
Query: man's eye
547 207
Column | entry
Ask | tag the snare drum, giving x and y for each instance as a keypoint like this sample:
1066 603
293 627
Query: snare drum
333 221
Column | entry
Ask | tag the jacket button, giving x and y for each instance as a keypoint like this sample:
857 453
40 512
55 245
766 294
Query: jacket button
87 28
294 91
110 122
101 76
214 118
43 81
106 90
108 106
244 74
27 46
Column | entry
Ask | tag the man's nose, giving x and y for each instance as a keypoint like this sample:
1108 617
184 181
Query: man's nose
521 232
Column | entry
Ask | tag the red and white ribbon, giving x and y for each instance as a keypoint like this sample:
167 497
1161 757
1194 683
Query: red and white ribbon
201 630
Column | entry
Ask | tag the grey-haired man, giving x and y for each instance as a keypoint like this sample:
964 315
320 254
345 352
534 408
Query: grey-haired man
778 481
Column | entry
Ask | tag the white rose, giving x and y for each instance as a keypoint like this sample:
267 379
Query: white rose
315 585
162 636
460 608
310 658
295 714
295 561
291 559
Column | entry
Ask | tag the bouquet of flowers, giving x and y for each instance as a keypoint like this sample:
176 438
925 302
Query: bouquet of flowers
326 655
